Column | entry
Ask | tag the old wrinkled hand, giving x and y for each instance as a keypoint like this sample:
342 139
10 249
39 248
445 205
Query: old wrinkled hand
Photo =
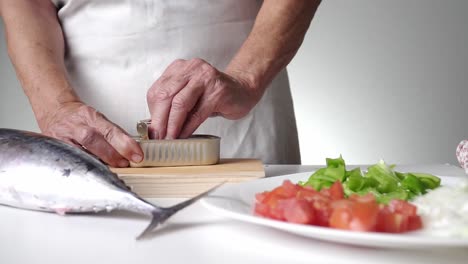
190 91
83 126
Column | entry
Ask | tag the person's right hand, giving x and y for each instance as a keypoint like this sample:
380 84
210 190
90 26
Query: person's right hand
83 126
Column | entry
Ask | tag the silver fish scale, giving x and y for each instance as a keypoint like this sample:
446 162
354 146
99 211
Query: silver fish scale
42 173
26 152
52 151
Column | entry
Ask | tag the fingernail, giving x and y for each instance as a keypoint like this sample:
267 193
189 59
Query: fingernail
123 163
137 158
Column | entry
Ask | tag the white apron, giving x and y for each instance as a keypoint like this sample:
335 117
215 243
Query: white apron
116 49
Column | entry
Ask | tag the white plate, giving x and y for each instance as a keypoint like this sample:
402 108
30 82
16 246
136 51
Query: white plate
241 197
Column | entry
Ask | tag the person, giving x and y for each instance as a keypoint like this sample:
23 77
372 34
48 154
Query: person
91 69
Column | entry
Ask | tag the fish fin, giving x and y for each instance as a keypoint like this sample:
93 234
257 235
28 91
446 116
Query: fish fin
160 215
158 218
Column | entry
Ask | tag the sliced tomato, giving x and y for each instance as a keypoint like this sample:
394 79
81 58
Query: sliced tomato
276 213
364 216
402 207
262 209
260 197
329 207
290 189
323 211
306 193
342 214
325 192
272 199
368 198
267 205
414 223
298 211
336 191
354 215
397 217
341 203
311 196
391 222
286 190
279 192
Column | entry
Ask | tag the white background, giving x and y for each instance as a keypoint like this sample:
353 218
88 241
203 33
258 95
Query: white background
373 79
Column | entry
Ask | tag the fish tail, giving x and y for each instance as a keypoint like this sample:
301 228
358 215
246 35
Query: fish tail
158 218
160 215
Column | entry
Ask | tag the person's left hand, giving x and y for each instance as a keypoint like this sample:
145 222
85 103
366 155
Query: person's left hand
190 91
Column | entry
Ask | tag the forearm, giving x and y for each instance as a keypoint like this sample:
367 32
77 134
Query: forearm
36 49
277 34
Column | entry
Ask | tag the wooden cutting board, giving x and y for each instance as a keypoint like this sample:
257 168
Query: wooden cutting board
188 181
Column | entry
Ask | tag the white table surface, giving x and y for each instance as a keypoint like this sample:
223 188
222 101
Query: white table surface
194 235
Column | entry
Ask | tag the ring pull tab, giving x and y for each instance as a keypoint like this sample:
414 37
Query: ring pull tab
142 128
